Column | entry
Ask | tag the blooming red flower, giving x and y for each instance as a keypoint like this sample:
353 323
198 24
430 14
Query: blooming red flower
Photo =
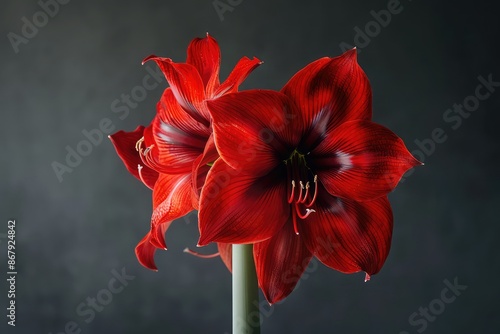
304 172
172 155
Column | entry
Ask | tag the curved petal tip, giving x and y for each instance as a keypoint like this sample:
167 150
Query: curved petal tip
145 252
148 58
155 58
352 53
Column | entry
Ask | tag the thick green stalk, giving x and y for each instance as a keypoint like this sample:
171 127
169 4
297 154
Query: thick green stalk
246 315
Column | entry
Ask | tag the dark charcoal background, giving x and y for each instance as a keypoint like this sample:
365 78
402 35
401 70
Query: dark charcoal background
72 234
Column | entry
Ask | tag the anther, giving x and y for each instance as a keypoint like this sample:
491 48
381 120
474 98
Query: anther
300 191
306 194
315 192
139 144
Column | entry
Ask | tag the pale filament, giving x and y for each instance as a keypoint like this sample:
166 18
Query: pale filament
203 256
139 170
147 159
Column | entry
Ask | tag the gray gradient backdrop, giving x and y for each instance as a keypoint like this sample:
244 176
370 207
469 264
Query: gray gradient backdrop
71 235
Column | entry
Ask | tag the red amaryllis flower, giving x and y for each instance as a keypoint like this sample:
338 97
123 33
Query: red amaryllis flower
302 173
173 154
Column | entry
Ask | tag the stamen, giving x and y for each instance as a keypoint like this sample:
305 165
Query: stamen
142 154
148 160
139 170
300 191
299 173
306 194
203 256
292 193
294 219
139 144
146 157
315 192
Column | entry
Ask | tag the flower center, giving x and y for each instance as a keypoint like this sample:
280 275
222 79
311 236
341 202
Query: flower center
300 180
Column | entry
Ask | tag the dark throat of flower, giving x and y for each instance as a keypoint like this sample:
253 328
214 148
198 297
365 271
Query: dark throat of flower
302 187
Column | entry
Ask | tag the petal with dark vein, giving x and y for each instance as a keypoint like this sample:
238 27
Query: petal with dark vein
251 130
239 208
349 236
171 200
329 92
361 160
280 262
204 54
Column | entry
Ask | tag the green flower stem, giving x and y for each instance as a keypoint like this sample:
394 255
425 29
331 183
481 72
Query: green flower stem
246 315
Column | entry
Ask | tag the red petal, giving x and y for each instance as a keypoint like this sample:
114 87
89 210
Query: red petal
361 160
171 200
201 166
149 139
198 177
145 252
171 112
226 252
187 86
124 143
280 262
330 91
237 208
149 145
251 130
179 138
349 236
204 54
243 68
